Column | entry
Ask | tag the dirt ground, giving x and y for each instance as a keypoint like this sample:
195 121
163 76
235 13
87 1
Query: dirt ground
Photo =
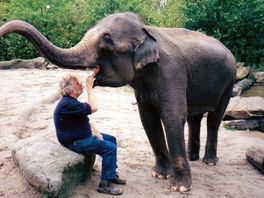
28 98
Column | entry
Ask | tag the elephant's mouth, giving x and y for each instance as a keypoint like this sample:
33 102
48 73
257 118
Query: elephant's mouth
95 71
95 68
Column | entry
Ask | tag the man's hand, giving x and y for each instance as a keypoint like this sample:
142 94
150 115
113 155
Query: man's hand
90 79
89 83
96 133
99 136
89 88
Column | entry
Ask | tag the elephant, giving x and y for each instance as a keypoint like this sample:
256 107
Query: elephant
177 75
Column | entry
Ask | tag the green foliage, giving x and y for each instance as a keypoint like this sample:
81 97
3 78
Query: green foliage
239 24
64 22
57 20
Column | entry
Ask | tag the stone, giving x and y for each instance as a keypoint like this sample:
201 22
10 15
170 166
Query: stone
49 167
242 72
259 76
240 64
242 108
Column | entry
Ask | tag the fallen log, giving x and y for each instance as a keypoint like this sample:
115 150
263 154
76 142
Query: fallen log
255 156
257 125
39 62
242 86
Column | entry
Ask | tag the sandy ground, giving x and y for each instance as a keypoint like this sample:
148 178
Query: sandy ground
26 107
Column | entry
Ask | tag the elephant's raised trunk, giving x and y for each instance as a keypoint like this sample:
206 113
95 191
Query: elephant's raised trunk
69 58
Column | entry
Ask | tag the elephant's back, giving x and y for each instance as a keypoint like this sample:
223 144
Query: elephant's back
185 40
194 46
177 35
210 66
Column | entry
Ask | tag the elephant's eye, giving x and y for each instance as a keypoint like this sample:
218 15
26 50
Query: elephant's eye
107 38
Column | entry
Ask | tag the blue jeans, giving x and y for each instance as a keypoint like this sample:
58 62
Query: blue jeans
106 148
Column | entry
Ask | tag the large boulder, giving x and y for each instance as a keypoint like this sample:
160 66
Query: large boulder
49 167
245 113
245 108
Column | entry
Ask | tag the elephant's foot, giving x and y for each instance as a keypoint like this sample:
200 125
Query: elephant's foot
162 171
210 158
192 156
181 184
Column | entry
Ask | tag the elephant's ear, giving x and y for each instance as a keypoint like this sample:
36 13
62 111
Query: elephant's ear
146 51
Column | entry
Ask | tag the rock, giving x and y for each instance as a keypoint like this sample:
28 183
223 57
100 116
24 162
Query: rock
255 156
242 72
240 64
241 86
255 90
259 76
248 113
49 167
257 125
241 108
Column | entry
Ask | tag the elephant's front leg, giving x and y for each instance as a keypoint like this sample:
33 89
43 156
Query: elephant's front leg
174 126
152 125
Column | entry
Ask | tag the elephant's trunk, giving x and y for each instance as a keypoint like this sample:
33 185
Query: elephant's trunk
69 58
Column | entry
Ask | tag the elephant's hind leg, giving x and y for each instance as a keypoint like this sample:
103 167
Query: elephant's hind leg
194 125
213 122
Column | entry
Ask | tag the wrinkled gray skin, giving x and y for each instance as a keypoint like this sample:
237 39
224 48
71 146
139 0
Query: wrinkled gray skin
177 75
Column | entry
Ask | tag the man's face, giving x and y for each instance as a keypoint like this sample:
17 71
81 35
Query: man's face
77 87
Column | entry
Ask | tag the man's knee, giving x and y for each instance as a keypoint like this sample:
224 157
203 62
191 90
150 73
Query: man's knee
112 147
109 138
113 140
109 149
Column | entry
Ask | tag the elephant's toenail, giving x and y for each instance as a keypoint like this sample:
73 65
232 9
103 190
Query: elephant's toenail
154 174
184 189
174 188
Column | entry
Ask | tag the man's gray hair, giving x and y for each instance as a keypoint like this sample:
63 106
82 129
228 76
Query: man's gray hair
65 83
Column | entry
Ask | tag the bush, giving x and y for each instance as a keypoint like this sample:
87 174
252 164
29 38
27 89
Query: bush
59 21
64 22
239 24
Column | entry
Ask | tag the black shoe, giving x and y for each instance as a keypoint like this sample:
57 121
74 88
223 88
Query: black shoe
107 187
119 181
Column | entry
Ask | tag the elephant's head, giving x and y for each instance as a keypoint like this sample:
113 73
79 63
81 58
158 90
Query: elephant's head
120 44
